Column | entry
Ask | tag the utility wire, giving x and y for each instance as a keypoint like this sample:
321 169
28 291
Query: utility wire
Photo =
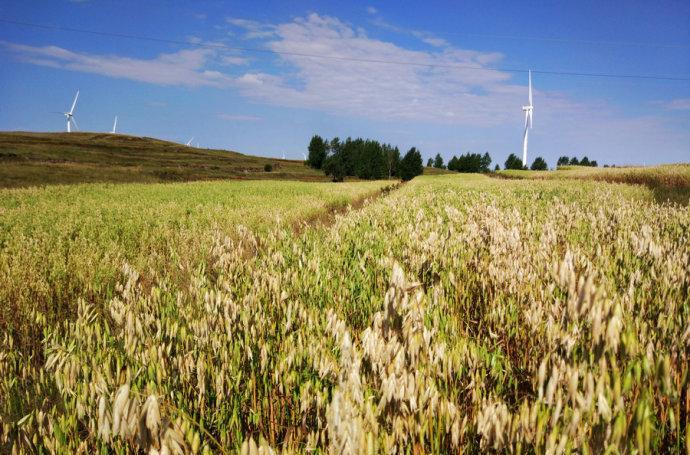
569 40
333 57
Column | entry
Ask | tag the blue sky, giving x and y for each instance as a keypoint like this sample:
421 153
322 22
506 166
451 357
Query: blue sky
270 104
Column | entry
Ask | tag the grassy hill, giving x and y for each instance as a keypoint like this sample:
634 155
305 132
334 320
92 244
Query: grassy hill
32 159
29 159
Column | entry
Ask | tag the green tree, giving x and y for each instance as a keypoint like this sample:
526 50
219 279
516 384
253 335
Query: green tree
574 161
497 168
485 163
584 161
392 159
334 165
438 162
453 164
430 163
411 165
318 149
539 164
513 162
562 161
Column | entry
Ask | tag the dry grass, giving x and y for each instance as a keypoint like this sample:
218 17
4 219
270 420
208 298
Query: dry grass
457 314
669 182
36 159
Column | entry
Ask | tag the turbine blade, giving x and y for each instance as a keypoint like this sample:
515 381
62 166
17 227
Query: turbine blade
530 87
74 120
115 125
74 103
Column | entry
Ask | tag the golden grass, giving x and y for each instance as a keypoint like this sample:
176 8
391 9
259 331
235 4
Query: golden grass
459 313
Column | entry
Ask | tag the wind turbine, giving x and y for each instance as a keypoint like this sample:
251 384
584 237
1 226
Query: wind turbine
305 156
114 126
528 121
70 115
189 142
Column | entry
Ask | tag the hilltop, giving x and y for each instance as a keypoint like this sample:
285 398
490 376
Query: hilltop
30 159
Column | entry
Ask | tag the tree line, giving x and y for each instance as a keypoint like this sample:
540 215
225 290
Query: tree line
371 160
566 161
363 158
513 162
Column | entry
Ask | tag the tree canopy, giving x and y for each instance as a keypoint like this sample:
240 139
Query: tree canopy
318 149
470 162
363 158
565 161
411 164
513 162
539 164
438 162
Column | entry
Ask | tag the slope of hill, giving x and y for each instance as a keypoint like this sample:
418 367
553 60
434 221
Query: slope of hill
669 182
30 159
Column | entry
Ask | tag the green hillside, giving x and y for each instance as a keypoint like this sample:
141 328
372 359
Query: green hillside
29 159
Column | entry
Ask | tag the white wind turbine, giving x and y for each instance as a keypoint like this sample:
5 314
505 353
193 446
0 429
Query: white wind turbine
70 115
189 142
528 121
114 126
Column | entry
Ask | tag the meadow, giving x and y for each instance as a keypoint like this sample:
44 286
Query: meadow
670 182
38 159
458 313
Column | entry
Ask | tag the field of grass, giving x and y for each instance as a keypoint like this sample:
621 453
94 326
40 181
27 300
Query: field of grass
63 243
33 159
457 313
669 182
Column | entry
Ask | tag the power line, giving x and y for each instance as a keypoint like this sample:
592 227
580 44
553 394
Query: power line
349 59
571 40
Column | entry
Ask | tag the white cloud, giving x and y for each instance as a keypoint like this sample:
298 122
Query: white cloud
444 94
678 104
233 60
253 29
425 37
239 118
428 38
185 67
372 10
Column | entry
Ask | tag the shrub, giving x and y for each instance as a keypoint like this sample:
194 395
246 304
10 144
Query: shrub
268 167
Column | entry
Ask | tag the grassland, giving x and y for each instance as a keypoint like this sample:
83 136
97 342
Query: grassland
33 159
458 313
669 182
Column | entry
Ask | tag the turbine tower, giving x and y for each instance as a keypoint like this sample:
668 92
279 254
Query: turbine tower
114 126
70 115
528 121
